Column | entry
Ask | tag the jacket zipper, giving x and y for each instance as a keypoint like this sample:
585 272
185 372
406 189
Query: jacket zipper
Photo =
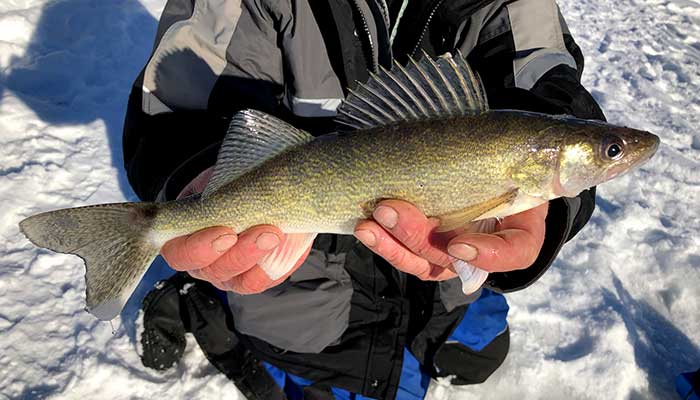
368 34
425 28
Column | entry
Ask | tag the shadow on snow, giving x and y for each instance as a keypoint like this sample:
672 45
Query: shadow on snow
78 68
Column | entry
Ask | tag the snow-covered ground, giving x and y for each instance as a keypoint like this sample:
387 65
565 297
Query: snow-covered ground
616 317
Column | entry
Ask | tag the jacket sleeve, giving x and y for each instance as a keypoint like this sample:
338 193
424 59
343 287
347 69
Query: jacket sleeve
181 103
207 64
528 60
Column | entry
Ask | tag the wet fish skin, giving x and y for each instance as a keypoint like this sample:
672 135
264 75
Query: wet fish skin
439 166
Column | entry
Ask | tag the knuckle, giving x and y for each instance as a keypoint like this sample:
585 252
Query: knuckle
206 275
424 274
239 259
219 272
530 257
171 254
234 285
251 285
219 285
395 255
190 254
417 242
530 250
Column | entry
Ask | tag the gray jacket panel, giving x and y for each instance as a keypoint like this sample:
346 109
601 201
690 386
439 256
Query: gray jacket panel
313 89
306 313
240 39
537 28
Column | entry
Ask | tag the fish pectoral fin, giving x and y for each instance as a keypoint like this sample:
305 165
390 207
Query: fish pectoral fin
462 217
285 256
253 137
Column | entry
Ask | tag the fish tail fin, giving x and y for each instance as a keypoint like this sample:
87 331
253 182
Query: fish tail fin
113 240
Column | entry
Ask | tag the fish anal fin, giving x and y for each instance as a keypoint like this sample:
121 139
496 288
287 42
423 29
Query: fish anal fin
286 256
462 217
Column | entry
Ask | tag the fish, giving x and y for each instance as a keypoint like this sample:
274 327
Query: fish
421 133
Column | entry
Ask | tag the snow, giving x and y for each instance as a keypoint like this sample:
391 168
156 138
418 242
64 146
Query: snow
615 317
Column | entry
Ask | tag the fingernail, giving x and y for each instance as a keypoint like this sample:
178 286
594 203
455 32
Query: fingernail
224 242
267 241
386 216
463 251
366 237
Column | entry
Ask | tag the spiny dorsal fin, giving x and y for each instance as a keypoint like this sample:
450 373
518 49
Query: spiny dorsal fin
253 137
427 89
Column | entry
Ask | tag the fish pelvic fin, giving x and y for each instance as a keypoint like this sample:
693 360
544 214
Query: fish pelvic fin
113 241
460 218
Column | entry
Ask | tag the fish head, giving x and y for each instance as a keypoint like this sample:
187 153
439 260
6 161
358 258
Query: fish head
598 152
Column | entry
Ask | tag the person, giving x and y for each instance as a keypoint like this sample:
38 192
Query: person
379 313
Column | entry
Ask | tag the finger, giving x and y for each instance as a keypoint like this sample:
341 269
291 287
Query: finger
256 280
198 249
253 244
413 229
515 246
439 273
196 274
376 238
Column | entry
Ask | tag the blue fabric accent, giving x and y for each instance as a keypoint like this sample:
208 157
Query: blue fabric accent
683 386
277 374
293 385
484 320
413 383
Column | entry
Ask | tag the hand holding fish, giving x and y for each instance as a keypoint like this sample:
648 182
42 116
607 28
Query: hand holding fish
406 238
221 257
226 260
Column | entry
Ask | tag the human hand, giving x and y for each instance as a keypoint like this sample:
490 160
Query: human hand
227 260
406 238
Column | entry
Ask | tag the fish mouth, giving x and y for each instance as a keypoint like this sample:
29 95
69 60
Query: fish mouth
649 151
643 153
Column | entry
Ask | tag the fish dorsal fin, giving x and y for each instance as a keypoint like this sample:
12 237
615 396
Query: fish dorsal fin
426 89
462 217
253 137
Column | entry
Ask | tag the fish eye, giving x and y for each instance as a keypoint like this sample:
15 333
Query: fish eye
613 148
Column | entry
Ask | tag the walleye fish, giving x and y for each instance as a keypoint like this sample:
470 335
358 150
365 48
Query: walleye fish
421 133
